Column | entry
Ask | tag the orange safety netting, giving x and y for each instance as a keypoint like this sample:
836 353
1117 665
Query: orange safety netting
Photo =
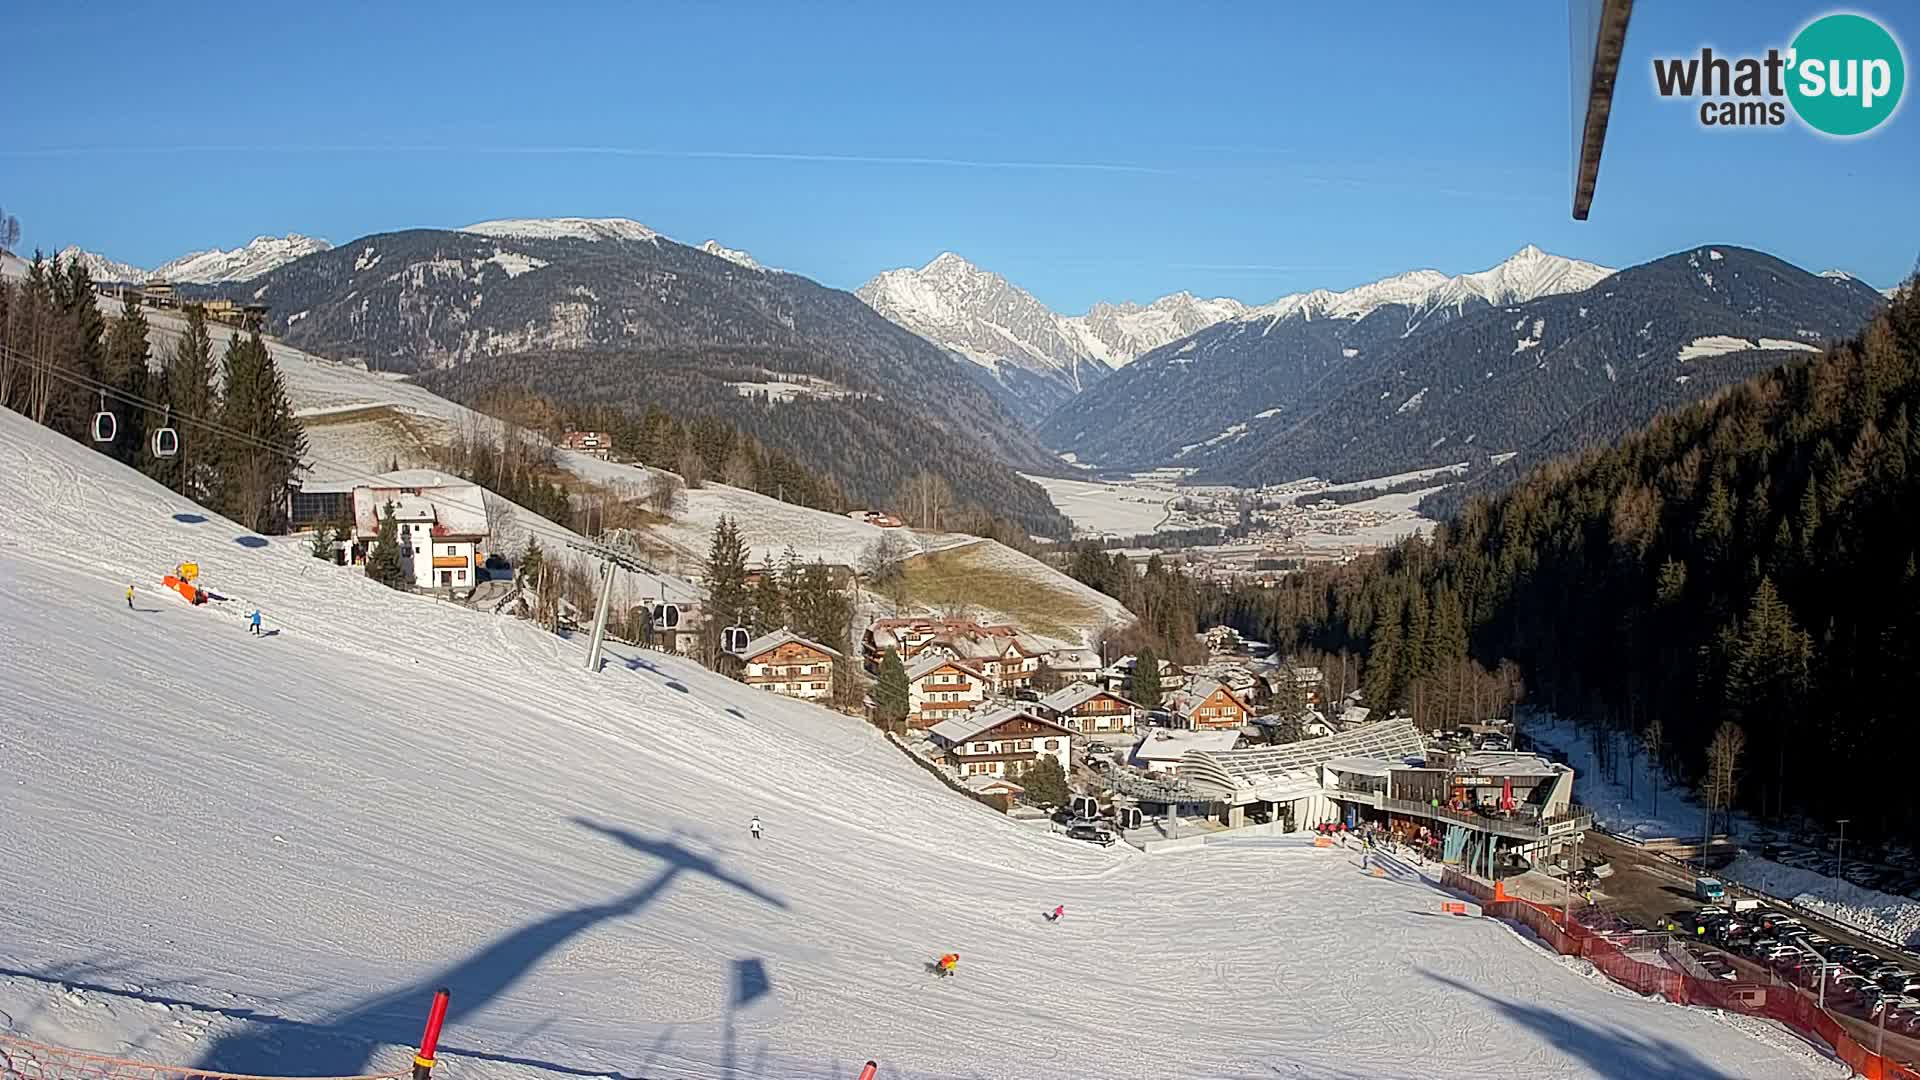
1784 1002
23 1060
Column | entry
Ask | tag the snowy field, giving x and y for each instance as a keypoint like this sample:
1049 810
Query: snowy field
261 855
1675 813
1095 508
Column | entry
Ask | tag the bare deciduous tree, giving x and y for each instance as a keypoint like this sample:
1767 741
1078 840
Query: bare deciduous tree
1722 780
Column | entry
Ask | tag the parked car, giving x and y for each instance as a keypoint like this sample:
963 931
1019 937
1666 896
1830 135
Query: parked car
1095 832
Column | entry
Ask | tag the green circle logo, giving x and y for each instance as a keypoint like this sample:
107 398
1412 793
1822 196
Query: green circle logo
1847 75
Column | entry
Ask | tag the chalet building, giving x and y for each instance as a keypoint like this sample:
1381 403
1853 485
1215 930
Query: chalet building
939 687
1003 741
1080 664
596 444
788 664
1012 663
878 518
442 525
1208 705
1089 710
1118 676
962 639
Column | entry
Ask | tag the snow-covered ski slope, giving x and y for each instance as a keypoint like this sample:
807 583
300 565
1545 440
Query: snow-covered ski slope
260 855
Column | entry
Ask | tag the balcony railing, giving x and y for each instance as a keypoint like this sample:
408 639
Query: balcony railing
1524 823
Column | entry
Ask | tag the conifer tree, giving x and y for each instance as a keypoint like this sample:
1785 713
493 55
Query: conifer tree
769 607
124 368
1146 679
262 442
383 562
191 404
728 598
891 698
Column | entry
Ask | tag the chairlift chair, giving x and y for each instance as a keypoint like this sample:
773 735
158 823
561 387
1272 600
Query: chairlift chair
166 441
105 426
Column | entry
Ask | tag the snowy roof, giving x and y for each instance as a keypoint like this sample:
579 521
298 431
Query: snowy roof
1296 765
1073 660
1078 694
456 505
961 728
766 643
926 665
1197 693
1162 744
1361 766
984 783
1502 764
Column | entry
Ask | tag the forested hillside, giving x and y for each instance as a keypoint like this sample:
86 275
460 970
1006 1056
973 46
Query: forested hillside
1748 560
862 444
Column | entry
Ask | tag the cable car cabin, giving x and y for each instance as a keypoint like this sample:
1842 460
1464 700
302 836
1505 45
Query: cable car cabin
166 442
105 427
666 616
734 639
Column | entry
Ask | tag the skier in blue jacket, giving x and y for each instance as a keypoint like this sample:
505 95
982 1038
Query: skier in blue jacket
254 622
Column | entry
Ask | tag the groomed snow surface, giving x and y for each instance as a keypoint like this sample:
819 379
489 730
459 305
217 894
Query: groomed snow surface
262 854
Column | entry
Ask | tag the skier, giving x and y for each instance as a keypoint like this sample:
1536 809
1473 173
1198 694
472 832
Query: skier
254 622
1058 910
754 826
129 598
947 964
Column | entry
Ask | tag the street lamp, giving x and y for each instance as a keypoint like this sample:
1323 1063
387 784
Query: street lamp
1840 858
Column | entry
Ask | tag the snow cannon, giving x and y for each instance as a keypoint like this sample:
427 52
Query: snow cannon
182 581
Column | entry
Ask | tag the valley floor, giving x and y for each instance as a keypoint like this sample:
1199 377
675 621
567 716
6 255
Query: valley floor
262 854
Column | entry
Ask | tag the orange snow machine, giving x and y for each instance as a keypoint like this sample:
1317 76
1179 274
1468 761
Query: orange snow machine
182 581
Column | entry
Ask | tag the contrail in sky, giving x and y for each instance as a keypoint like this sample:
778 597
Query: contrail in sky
600 151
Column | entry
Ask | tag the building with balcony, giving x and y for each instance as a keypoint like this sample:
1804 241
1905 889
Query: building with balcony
441 523
787 664
1003 741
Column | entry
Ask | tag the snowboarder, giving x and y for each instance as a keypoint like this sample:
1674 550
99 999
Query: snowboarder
753 826
129 598
1058 910
254 622
947 964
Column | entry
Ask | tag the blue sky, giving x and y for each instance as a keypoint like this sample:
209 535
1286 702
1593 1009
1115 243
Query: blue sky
1087 152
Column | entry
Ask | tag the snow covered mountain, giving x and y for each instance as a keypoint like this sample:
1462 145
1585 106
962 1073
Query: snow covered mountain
1206 387
101 267
1033 356
258 256
1118 334
1528 275
732 255
565 228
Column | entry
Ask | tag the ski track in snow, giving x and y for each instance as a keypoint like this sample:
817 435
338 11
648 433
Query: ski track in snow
262 854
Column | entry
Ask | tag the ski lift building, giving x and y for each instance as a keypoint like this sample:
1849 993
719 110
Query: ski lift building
788 664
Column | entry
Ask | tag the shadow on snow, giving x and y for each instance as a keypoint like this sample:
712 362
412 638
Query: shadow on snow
1616 1053
348 1041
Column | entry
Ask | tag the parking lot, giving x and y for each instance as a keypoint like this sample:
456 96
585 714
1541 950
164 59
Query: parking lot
1649 891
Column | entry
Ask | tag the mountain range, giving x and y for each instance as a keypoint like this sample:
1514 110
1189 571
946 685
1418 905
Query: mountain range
1266 361
1508 385
1034 357
244 263
571 307
950 365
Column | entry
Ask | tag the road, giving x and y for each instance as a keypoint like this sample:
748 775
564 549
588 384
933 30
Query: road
1647 888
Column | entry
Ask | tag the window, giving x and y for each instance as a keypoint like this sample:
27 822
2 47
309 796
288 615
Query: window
1048 745
451 551
460 576
1023 744
979 748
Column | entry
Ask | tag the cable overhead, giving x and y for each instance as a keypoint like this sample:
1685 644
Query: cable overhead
565 538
